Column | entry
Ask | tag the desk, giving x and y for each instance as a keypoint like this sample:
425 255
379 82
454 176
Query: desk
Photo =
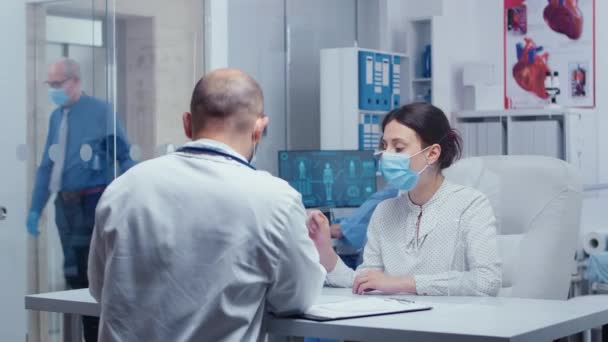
73 304
468 319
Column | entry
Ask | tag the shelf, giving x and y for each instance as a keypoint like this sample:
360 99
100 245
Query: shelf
514 113
422 80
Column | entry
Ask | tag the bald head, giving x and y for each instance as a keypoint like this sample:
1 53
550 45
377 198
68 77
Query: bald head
65 68
226 99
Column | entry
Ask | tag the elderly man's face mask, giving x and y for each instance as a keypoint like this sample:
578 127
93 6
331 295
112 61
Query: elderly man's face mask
60 90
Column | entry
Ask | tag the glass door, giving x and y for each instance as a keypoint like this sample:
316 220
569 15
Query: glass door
71 137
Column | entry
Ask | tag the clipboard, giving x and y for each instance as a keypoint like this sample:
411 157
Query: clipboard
361 307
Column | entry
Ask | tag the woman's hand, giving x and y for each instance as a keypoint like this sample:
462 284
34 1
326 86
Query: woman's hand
369 280
319 233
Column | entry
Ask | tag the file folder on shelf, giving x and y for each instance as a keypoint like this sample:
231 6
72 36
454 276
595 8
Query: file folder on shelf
382 84
367 96
396 82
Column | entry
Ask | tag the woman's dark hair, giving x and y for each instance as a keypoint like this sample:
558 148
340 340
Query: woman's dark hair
432 126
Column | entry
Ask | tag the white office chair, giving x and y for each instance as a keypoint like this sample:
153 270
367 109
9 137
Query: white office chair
537 202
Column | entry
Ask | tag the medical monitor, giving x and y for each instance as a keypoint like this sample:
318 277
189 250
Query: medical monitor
331 179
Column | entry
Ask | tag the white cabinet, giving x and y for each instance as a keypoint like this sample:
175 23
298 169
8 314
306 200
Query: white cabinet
554 133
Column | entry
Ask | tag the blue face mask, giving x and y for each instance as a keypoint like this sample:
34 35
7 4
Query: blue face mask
395 168
59 96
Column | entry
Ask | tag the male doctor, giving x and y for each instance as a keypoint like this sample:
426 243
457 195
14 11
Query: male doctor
198 244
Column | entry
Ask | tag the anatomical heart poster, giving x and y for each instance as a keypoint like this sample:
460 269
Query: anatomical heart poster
549 53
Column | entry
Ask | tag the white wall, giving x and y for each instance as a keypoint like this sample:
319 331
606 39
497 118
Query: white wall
12 172
368 24
216 34
601 76
177 55
312 25
427 8
463 44
393 16
490 44
137 86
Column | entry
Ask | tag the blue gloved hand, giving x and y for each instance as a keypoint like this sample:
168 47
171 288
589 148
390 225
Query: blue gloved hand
32 223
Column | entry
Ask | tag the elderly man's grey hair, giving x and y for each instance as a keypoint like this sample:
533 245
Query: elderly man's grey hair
71 68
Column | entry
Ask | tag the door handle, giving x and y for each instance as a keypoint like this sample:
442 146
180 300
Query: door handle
2 213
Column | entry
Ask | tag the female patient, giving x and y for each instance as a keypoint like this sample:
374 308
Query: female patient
436 237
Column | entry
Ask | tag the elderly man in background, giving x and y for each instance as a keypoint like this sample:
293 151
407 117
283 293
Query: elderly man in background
77 165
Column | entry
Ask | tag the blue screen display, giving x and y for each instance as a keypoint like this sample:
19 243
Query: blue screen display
333 179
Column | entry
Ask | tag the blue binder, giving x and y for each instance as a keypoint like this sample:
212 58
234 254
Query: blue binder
382 86
367 97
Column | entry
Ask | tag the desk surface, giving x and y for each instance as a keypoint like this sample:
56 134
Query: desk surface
78 302
452 318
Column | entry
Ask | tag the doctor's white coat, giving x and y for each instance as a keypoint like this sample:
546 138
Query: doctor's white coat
196 247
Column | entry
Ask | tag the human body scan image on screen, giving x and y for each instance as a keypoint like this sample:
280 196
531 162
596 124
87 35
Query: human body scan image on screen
332 179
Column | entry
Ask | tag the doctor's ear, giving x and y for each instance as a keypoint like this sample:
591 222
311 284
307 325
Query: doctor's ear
433 154
260 124
187 121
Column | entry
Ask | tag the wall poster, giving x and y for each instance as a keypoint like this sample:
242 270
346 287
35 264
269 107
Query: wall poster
549 53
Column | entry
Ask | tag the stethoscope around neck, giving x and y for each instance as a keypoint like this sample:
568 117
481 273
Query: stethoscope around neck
207 150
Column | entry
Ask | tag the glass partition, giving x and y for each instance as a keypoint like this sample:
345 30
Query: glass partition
107 84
